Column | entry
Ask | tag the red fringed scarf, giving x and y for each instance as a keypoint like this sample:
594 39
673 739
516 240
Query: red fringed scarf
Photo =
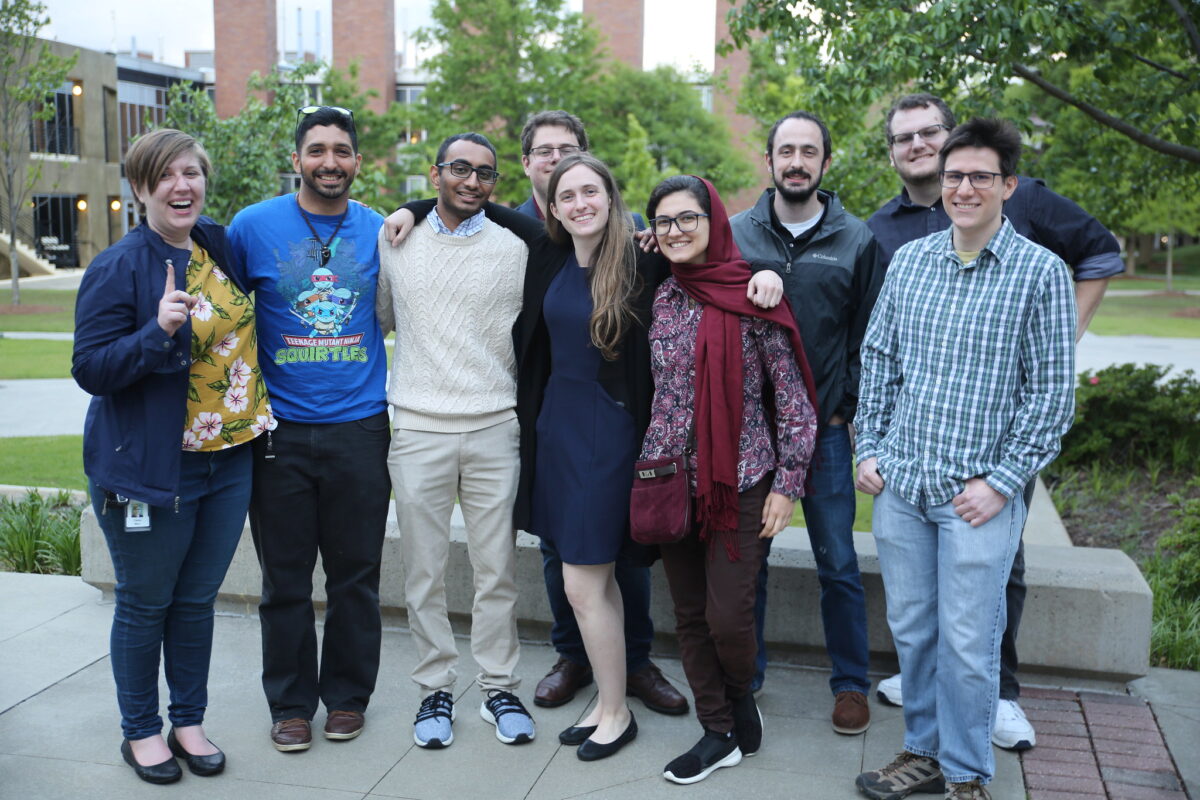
719 285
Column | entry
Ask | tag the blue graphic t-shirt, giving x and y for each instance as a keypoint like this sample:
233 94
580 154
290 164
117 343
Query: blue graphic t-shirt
319 344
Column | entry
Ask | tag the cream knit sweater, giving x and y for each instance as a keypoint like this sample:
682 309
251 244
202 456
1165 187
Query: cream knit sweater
452 302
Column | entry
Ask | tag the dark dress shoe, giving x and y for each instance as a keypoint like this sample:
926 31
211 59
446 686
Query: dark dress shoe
561 683
291 734
166 772
341 725
592 751
649 686
575 734
197 765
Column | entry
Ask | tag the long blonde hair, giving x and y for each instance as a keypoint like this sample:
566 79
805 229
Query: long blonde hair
612 273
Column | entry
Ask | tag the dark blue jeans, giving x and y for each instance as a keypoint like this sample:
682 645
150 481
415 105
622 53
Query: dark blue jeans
829 516
324 492
633 579
167 582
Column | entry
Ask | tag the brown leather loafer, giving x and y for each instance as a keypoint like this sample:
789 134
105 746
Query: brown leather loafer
561 683
291 734
649 686
344 724
851 714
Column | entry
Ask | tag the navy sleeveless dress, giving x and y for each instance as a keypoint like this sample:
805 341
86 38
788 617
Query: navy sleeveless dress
586 444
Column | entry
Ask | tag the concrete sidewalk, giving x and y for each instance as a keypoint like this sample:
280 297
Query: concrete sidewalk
59 731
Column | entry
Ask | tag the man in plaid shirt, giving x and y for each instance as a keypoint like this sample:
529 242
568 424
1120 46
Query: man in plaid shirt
967 388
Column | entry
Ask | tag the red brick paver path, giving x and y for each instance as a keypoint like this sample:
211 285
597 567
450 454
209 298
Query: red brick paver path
1094 746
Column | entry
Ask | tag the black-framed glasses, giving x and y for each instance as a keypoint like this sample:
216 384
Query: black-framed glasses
926 133
686 222
463 170
545 151
979 180
304 112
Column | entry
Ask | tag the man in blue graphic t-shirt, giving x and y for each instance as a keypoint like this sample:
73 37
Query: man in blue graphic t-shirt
320 477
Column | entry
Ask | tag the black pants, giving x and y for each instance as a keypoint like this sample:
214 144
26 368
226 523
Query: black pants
1014 601
325 491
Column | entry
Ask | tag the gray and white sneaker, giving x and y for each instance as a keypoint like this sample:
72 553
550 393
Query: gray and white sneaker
513 723
888 691
432 728
1012 730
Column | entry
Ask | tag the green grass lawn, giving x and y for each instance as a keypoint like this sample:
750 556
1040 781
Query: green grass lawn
1146 316
34 358
60 319
1155 282
55 461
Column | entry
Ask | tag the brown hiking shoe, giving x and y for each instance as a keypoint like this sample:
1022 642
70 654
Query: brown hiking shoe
851 715
907 774
972 790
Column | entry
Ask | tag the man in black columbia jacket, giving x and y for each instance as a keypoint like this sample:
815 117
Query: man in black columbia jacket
832 271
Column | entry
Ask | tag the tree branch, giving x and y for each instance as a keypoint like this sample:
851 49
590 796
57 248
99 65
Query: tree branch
1120 126
1160 67
1188 24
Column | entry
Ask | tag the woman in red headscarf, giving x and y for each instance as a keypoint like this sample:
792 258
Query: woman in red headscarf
714 357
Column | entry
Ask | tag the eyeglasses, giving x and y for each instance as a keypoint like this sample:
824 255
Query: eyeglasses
979 180
462 170
545 151
304 112
686 222
925 133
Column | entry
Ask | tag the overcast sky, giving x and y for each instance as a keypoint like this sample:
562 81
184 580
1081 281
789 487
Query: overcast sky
167 28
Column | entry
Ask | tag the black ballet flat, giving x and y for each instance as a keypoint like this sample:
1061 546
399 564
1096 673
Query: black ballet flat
591 751
166 772
197 765
576 734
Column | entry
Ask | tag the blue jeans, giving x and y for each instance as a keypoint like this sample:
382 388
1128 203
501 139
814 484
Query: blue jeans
829 517
633 579
944 582
167 582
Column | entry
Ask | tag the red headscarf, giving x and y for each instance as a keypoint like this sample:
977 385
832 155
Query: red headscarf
720 285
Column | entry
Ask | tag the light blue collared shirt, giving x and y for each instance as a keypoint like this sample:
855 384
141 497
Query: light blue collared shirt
468 227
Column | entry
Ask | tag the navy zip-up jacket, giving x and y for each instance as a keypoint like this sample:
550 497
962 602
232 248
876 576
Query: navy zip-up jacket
831 278
138 376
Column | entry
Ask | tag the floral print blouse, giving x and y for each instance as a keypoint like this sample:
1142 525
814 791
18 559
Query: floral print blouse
227 399
764 345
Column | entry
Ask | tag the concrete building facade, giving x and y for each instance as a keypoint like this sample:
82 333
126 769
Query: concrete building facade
74 209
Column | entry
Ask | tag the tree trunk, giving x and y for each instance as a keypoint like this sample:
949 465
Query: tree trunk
1170 259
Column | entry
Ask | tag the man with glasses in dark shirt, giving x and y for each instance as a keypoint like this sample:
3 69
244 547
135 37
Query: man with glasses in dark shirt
549 137
917 126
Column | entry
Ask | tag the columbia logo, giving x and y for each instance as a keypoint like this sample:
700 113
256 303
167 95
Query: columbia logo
823 256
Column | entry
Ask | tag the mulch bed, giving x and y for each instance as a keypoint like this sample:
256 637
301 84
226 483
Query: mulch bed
9 308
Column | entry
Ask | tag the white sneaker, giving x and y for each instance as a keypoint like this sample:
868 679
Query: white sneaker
1012 730
888 691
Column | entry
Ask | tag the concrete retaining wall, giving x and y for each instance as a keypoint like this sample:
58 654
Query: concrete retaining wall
1088 610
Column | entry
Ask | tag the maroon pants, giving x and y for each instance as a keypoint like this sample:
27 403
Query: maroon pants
714 610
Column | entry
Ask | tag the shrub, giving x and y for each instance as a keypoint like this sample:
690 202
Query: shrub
39 534
1174 576
1130 416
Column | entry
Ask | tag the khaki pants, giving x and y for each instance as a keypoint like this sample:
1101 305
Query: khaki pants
427 470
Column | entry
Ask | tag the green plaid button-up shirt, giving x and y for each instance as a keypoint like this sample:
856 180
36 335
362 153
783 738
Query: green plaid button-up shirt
967 370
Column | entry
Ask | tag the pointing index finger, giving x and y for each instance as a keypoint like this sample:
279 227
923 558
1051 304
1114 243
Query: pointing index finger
170 279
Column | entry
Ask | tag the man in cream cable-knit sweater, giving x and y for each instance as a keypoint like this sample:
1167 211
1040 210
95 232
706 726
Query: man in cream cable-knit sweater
452 292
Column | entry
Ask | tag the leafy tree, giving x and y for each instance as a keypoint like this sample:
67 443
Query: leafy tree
1143 56
637 173
28 73
250 150
500 61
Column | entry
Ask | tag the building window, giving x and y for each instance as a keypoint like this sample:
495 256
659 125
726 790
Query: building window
409 96
141 108
55 222
416 186
57 134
